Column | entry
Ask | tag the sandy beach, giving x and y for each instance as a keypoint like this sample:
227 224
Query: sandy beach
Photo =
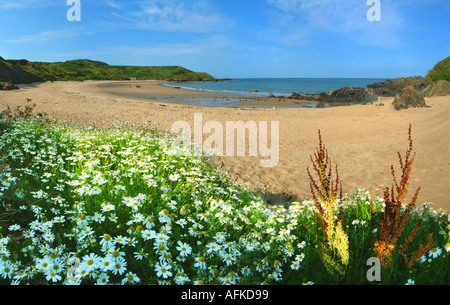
362 140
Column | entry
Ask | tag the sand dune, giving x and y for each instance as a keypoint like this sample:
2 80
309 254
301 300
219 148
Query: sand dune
362 140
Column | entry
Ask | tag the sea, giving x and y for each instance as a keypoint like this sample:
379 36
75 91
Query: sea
259 87
234 91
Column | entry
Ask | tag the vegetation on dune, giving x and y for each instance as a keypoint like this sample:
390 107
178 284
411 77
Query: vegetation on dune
24 72
441 71
127 205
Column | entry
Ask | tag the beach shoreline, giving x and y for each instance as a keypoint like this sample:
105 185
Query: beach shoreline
178 95
363 140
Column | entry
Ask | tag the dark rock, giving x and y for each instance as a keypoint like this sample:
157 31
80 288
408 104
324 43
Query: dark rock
320 105
407 98
347 95
392 87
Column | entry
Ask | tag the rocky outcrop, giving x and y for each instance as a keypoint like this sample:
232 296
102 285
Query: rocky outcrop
409 92
439 88
343 96
347 95
390 88
408 98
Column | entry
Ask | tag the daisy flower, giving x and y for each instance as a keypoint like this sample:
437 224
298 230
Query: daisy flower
162 269
295 265
119 266
14 227
106 263
44 264
54 277
447 247
410 282
130 278
435 252
301 245
7 270
103 279
184 249
148 234
106 241
200 263
174 177
139 255
90 262
107 207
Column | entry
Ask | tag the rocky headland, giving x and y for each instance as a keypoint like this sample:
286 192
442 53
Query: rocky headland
408 91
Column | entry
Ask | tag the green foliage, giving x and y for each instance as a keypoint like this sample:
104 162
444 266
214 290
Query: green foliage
441 71
23 71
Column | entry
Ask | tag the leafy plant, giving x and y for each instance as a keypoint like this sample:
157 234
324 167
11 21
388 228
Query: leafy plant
396 215
334 249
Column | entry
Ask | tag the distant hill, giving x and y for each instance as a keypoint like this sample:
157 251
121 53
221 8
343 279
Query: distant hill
25 72
441 71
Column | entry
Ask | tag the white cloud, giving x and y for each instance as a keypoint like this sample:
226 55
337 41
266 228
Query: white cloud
113 4
212 46
299 19
197 16
22 4
45 36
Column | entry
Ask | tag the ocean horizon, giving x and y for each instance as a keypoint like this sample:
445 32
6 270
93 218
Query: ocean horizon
258 87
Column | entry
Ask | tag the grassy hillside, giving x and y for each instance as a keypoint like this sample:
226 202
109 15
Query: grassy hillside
440 71
23 71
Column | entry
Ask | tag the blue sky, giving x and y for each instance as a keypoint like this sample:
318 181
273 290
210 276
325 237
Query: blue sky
235 38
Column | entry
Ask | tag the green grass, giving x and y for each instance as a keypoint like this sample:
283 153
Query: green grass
441 71
128 195
22 71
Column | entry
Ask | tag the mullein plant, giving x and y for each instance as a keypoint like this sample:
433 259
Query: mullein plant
333 250
395 217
